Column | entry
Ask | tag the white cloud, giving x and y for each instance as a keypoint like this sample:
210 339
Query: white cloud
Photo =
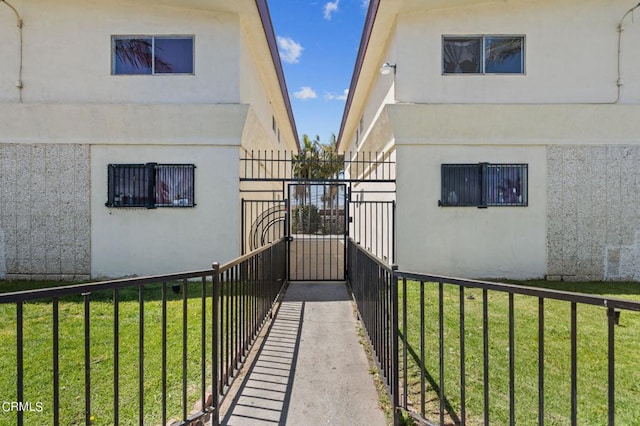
290 50
365 4
330 8
305 93
337 97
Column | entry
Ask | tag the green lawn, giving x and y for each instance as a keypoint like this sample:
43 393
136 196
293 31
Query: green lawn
592 355
38 381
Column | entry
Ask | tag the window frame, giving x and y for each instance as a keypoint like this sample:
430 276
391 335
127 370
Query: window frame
485 187
149 190
153 38
483 51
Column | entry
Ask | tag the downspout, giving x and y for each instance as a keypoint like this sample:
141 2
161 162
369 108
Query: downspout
619 82
19 23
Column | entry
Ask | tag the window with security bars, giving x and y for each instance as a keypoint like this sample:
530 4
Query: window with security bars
150 185
484 185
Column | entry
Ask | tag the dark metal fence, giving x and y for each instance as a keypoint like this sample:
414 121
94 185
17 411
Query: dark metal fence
152 346
375 293
317 230
476 352
278 166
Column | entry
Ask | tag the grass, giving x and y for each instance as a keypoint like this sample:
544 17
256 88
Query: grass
592 355
38 380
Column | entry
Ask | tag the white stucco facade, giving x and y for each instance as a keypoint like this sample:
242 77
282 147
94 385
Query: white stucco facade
69 97
569 108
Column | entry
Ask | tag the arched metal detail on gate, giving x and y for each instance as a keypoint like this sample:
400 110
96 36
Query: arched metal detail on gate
263 223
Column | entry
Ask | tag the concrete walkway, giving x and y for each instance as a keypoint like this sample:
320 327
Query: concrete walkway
310 369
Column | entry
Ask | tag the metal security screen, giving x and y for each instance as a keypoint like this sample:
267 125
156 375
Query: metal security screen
317 219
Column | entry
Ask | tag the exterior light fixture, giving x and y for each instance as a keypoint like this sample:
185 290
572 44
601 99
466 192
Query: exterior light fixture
387 68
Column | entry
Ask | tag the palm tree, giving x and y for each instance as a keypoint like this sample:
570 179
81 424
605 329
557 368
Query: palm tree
305 166
333 166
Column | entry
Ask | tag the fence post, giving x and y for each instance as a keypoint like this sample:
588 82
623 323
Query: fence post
395 382
215 299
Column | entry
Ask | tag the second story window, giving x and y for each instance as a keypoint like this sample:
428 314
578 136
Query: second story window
499 54
152 55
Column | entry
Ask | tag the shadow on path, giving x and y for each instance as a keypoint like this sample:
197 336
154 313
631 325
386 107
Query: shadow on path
316 374
265 394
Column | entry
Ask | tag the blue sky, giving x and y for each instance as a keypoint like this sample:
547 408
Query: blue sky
318 42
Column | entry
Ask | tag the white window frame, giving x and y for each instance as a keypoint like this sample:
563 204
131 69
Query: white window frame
482 38
153 37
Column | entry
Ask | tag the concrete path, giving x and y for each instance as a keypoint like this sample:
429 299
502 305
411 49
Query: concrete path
310 368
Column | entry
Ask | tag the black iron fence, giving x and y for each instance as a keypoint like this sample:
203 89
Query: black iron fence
139 350
455 351
375 292
278 166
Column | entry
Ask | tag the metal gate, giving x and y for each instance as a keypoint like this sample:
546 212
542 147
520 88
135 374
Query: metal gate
317 202
317 231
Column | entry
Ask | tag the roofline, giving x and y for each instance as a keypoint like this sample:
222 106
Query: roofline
364 44
267 25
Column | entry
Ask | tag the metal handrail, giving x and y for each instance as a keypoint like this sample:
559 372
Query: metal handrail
247 256
526 291
79 289
381 263
236 300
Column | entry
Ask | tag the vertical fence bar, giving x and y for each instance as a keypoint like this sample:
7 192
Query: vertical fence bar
235 338
164 353
394 381
203 350
574 364
226 351
405 389
215 359
540 361
463 390
393 232
485 353
87 360
512 384
441 396
141 356
56 365
116 356
611 366
245 300
422 359
185 290
243 236
20 358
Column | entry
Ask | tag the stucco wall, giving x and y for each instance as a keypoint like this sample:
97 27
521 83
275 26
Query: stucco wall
45 211
67 53
570 54
71 97
495 242
594 212
144 241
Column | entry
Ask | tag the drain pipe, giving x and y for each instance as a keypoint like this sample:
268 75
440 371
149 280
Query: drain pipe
19 23
619 82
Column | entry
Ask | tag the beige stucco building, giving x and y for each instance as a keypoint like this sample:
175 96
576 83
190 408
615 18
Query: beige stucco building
155 84
480 94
